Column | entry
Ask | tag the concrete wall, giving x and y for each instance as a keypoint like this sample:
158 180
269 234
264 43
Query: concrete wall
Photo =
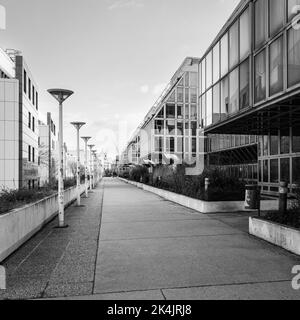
282 236
17 226
204 206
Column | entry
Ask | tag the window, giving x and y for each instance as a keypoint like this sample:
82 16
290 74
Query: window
33 124
284 142
293 10
224 98
276 66
37 101
244 84
203 72
296 143
260 22
170 144
209 108
216 103
187 79
29 153
260 76
276 8
172 97
293 57
193 94
187 95
194 145
224 55
170 110
209 70
274 174
216 63
266 171
171 127
187 111
29 120
285 170
180 144
25 81
159 126
234 91
180 111
158 144
187 128
33 95
234 45
194 128
245 34
161 113
29 89
193 79
33 154
265 145
274 140
193 111
203 110
296 170
180 94
180 128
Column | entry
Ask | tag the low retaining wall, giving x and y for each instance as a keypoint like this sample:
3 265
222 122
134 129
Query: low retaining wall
19 225
282 236
203 206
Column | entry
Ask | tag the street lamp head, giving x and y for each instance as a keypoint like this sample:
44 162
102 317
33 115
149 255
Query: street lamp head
78 125
91 146
86 139
60 94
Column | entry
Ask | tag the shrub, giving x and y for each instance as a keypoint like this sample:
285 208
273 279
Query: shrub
222 187
139 174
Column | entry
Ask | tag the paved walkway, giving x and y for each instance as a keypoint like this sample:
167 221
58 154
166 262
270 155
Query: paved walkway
58 262
150 248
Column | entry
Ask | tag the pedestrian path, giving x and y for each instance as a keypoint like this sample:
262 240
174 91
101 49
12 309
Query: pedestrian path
58 262
150 248
126 243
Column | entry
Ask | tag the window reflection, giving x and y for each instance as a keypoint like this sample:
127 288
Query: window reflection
260 76
276 66
233 91
276 8
293 57
245 34
244 84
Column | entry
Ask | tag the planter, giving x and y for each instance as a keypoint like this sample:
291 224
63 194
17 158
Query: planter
205 207
19 225
280 235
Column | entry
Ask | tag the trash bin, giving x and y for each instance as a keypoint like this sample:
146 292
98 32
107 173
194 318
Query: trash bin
252 197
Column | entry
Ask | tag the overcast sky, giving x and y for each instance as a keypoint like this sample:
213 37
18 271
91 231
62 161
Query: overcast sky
117 55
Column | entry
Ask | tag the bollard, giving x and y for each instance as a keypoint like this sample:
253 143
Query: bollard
251 197
283 194
207 184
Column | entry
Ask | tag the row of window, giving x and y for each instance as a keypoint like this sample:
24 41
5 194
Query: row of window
221 142
183 95
172 111
172 144
189 80
276 170
281 143
30 90
172 127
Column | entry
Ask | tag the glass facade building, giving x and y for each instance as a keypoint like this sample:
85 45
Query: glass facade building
252 87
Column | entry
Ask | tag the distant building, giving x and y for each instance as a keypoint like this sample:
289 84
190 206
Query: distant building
48 151
18 123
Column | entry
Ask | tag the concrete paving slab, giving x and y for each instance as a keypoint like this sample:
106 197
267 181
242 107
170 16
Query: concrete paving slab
254 291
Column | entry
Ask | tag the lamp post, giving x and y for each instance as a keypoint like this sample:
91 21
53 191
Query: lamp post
61 95
78 126
86 140
91 146
95 167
